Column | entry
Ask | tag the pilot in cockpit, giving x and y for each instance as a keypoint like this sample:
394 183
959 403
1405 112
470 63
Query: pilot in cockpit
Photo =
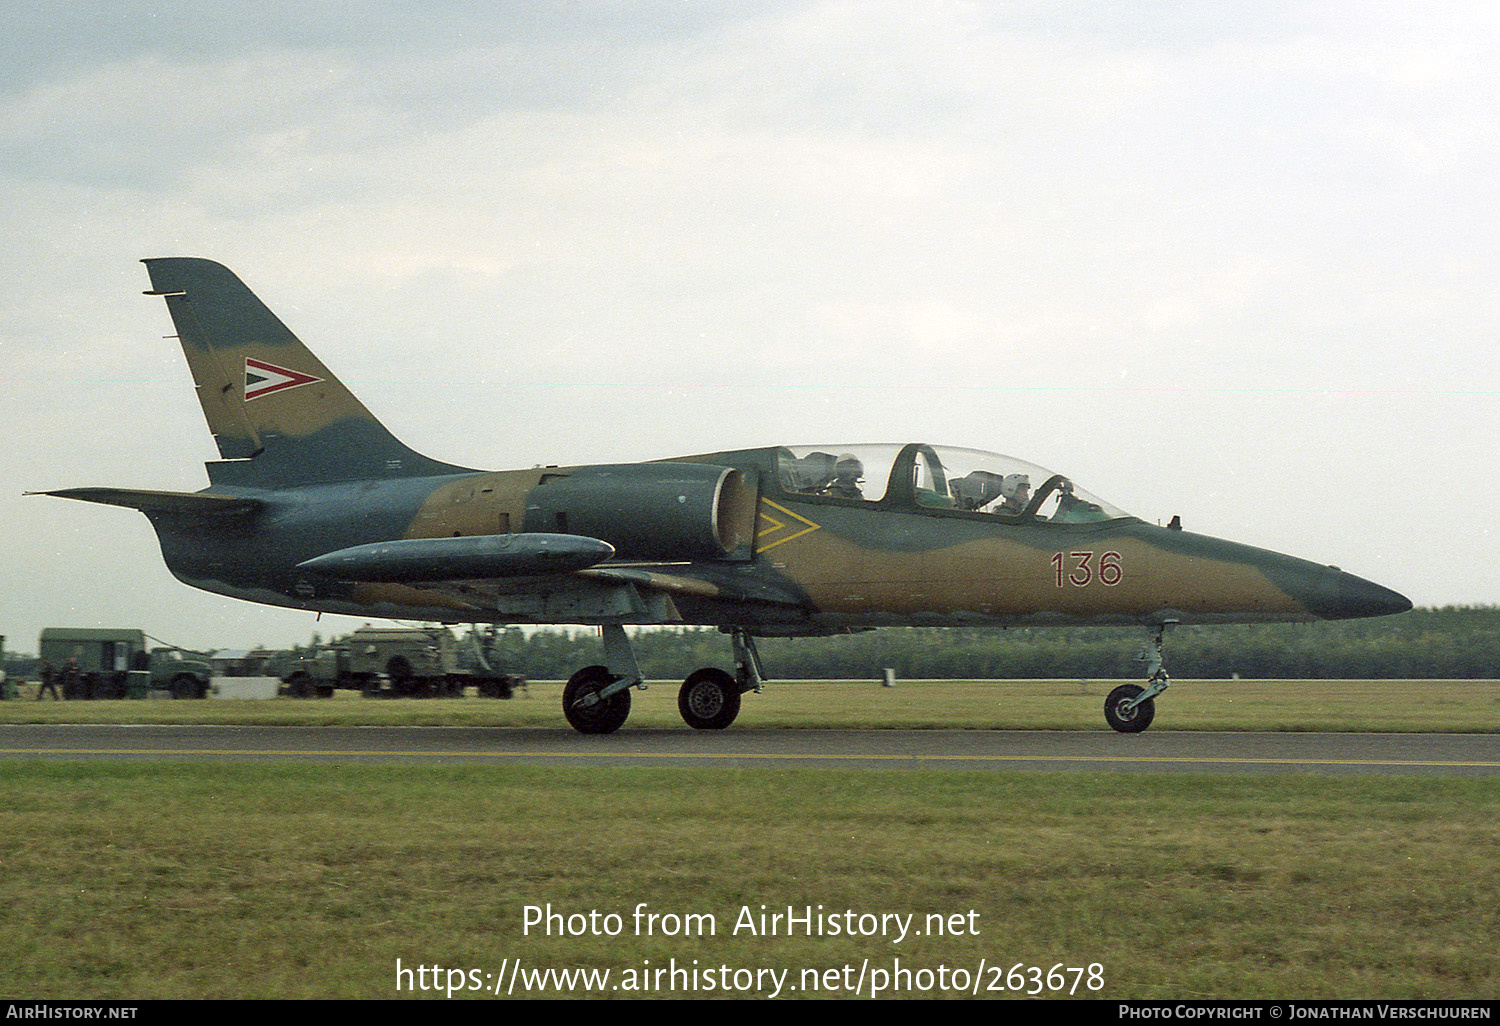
1016 488
848 472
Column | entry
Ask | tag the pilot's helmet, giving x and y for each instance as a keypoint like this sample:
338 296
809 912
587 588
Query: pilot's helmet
849 468
1013 485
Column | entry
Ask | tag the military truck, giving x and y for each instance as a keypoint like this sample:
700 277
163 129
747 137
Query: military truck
115 663
313 674
398 662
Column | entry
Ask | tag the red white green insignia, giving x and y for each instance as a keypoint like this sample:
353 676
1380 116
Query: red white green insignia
263 378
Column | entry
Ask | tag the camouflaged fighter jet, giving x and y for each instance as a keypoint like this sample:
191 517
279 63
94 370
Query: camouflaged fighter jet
315 505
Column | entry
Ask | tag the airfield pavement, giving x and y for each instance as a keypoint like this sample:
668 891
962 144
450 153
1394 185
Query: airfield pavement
1446 754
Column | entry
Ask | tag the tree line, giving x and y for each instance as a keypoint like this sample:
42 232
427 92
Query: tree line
1453 642
1460 642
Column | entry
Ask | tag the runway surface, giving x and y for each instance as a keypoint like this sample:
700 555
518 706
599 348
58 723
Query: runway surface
1096 751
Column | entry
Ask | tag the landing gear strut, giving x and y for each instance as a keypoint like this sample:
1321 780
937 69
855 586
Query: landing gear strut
1130 708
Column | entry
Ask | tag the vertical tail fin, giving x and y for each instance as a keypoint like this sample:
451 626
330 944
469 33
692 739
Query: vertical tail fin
277 414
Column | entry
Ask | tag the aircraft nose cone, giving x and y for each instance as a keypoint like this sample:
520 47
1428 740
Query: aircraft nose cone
1346 597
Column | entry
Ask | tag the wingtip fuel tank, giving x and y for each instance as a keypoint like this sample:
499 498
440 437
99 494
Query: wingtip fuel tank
414 560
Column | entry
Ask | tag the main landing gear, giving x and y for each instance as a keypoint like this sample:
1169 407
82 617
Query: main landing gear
1130 708
596 699
710 698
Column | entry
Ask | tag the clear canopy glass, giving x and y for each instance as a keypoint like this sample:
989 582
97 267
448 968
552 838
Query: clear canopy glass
939 477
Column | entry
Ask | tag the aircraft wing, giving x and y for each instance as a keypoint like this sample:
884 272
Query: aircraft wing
532 562
687 582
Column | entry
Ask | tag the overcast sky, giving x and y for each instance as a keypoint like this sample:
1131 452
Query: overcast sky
1235 261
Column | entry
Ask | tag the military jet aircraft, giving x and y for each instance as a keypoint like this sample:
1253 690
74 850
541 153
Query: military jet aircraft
315 505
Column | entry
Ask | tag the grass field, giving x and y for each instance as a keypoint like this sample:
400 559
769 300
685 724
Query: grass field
177 880
1364 705
186 880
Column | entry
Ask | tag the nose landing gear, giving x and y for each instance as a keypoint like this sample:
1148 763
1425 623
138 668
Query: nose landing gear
1130 708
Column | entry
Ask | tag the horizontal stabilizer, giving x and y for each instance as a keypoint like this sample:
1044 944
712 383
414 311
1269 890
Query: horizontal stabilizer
477 557
188 503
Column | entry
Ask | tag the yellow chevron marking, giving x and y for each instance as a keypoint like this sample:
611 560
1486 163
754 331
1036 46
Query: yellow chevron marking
778 525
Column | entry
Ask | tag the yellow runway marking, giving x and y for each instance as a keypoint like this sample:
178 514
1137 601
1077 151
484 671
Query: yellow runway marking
783 756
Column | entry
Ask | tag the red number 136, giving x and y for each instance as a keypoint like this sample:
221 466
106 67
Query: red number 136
1107 571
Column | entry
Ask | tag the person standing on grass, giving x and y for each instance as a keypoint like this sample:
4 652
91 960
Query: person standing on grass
49 682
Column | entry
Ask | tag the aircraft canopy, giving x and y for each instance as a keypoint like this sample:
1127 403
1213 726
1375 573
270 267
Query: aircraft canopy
939 477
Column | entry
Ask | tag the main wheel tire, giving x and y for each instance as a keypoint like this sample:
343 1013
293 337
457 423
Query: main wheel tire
1128 721
604 717
709 699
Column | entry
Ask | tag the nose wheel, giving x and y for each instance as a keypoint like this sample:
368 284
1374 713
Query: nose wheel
1126 711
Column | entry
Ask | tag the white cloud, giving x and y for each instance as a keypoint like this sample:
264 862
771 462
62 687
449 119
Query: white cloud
1094 235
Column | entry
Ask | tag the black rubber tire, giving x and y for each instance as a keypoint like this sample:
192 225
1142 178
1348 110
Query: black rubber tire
404 681
185 685
709 699
605 717
496 687
1134 721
